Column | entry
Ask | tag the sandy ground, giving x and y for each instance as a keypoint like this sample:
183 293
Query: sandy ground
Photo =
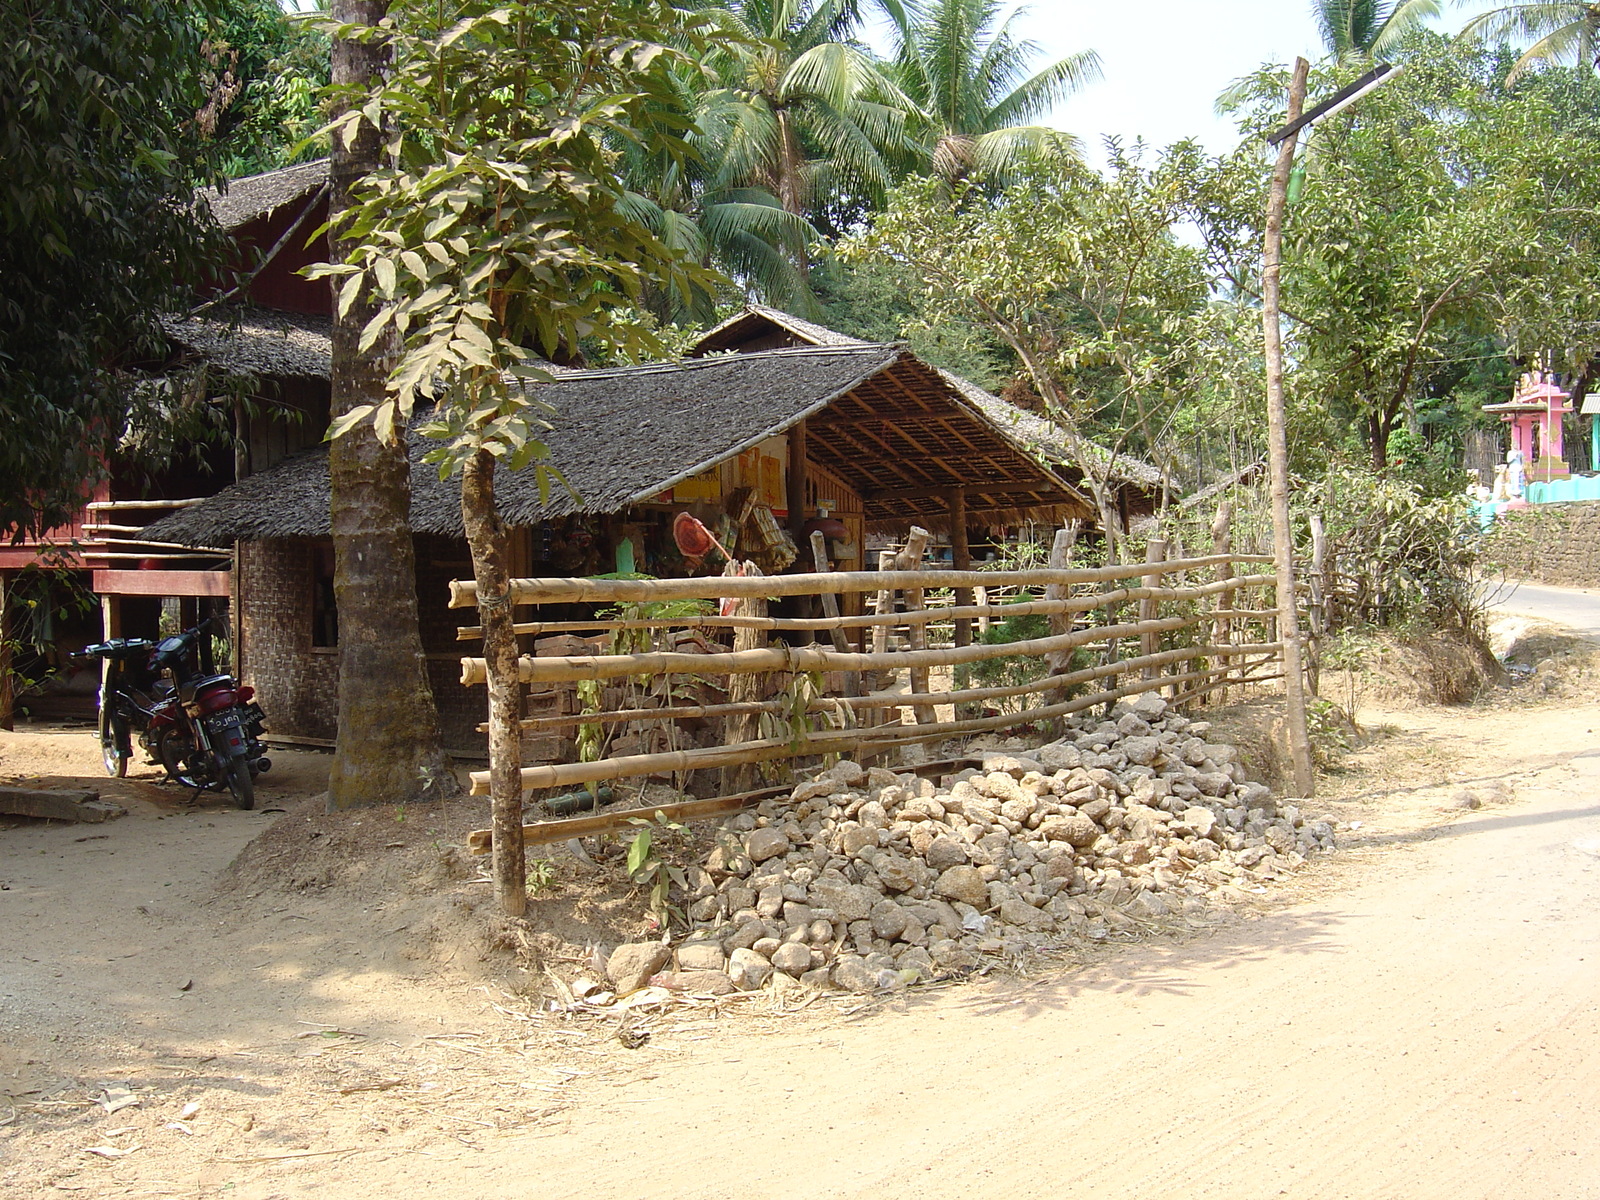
1418 1016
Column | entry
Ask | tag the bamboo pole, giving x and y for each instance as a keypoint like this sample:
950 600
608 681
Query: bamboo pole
463 592
869 620
1148 609
1278 446
802 658
836 703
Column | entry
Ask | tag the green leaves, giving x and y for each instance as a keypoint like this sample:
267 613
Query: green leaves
501 235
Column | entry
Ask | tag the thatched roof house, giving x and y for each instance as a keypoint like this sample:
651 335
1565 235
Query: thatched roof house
866 435
878 418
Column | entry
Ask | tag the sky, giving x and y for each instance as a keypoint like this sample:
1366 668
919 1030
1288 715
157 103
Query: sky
1165 61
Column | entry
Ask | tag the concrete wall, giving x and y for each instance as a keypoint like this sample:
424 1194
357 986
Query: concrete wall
1549 543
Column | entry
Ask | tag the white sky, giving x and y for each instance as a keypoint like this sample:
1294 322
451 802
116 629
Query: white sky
1165 61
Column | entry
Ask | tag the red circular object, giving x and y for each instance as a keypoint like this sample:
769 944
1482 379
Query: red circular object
693 538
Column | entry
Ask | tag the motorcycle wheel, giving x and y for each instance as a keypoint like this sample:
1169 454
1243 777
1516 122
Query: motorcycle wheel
114 746
173 749
241 783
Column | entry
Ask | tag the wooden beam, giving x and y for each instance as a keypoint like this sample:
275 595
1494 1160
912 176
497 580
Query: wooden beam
54 804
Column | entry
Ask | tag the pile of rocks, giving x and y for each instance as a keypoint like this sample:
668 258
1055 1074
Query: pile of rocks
867 879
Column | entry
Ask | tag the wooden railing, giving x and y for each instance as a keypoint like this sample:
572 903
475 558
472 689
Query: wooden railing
1189 625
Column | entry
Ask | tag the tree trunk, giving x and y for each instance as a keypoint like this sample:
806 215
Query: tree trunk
388 748
490 545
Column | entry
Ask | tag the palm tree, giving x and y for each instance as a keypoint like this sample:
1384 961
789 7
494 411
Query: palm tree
802 111
970 79
1563 32
1360 29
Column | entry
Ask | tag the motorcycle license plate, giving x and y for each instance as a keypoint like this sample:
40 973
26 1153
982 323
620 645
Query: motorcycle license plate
226 725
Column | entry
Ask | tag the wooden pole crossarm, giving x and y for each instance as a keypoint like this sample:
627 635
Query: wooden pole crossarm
464 594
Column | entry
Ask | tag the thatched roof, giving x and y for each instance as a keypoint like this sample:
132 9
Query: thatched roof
258 341
1046 439
257 195
757 323
886 423
758 327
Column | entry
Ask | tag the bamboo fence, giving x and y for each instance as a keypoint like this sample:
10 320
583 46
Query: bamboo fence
1203 624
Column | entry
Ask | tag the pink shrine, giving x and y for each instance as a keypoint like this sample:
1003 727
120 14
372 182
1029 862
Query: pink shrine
1535 413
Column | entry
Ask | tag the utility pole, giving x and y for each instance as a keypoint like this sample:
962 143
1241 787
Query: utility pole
1278 444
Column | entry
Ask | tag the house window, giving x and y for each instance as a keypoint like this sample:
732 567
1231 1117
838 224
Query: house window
324 610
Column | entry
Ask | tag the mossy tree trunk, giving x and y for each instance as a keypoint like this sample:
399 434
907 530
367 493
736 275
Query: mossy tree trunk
388 749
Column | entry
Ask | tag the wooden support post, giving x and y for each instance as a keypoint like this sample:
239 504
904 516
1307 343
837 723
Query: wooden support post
1278 448
743 689
910 559
961 560
1149 609
980 597
796 482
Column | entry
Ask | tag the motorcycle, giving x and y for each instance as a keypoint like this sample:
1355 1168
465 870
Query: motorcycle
202 727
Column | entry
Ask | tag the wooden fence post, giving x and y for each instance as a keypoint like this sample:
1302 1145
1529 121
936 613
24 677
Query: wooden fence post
1060 558
961 560
1150 608
830 609
910 559
744 727
1319 601
1222 627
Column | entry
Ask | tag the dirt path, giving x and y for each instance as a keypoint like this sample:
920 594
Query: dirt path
1423 1019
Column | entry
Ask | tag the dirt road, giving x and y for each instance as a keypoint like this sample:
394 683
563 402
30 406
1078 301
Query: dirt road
1424 1021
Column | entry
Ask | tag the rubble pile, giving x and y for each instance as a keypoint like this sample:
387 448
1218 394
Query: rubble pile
866 879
